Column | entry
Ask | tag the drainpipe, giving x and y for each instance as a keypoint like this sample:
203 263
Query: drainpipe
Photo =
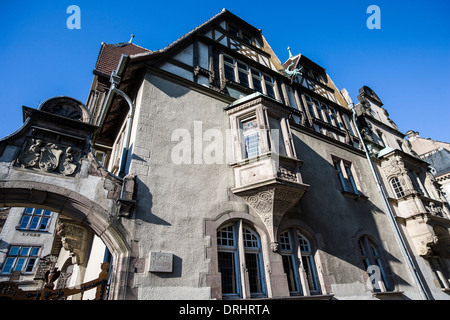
397 232
115 80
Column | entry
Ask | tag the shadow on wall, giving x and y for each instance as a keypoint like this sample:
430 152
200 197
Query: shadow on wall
144 205
339 219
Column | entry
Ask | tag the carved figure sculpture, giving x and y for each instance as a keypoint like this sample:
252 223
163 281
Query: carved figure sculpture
293 73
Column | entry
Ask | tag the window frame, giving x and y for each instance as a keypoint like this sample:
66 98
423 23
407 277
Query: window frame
371 257
253 75
247 134
33 221
14 258
239 33
306 281
242 253
346 175
234 251
397 188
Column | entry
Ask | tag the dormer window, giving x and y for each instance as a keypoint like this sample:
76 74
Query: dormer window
313 75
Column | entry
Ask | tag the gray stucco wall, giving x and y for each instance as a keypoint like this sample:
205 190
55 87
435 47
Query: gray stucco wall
338 220
175 199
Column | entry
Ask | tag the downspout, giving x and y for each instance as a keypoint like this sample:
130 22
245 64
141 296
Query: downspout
115 80
397 232
126 144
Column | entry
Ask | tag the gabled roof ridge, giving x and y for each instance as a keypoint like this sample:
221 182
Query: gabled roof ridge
179 39
122 44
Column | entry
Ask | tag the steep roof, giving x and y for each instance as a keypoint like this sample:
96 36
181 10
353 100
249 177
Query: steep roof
110 55
302 60
440 160
223 13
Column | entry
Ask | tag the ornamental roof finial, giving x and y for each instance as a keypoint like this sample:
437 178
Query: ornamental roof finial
290 54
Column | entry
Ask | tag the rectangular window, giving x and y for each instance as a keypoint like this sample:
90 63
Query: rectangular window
250 138
288 266
348 170
243 74
228 272
246 38
348 124
254 276
234 31
229 65
345 175
268 81
256 79
318 110
309 271
310 106
277 136
21 258
35 219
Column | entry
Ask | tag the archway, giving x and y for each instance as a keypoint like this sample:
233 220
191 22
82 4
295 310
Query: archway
81 209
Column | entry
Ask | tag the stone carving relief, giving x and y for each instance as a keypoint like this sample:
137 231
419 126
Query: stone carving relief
424 244
271 204
49 157
393 167
287 174
75 239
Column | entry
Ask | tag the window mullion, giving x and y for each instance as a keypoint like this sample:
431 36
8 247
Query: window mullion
304 287
245 286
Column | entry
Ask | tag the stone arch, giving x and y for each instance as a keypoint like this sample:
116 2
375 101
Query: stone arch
17 193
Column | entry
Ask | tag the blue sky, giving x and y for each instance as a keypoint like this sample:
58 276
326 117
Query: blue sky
406 62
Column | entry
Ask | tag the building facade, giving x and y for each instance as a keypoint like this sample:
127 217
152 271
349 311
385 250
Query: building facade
211 170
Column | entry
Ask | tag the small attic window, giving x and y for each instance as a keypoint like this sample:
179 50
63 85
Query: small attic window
238 33
234 31
246 38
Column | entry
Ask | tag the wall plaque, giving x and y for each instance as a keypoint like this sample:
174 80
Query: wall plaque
160 262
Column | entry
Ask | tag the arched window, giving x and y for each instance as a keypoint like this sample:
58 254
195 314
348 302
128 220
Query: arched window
238 243
397 187
373 263
298 263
